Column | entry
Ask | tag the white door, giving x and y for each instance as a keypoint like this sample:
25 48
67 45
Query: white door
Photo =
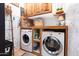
16 27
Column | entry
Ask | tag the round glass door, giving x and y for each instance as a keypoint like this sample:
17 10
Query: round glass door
52 45
26 38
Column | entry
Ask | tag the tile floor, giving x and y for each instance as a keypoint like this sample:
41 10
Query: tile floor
28 54
19 52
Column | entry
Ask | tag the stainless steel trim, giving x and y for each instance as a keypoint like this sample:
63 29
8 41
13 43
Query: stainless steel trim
53 53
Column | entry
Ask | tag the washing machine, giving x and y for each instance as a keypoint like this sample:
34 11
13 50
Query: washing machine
52 43
26 39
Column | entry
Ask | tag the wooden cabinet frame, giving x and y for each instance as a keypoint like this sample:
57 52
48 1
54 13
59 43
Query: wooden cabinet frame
50 27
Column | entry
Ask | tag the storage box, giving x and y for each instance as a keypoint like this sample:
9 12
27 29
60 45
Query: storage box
38 22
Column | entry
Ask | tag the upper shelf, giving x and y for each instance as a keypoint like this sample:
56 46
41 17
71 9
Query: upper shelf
59 14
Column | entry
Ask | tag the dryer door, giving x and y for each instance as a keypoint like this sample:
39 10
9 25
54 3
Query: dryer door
26 39
52 45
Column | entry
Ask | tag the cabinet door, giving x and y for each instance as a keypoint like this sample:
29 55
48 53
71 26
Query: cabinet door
37 8
28 9
42 8
33 9
47 7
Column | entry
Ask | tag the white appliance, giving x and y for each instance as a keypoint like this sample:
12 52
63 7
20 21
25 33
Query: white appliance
26 39
52 43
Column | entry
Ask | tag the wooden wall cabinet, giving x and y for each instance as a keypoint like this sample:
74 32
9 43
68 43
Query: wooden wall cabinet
32 9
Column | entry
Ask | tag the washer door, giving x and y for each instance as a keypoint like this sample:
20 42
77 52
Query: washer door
52 45
26 39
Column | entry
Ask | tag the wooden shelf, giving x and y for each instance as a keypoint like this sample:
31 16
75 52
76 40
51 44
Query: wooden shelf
37 51
46 27
59 14
38 54
37 40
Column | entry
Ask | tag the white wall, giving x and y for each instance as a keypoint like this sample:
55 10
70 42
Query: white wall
72 20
